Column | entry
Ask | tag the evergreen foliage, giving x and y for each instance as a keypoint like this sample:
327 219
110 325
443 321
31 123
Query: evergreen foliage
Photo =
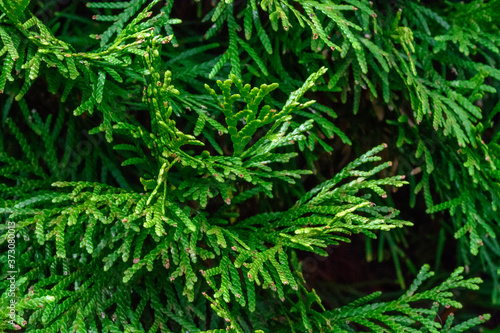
185 202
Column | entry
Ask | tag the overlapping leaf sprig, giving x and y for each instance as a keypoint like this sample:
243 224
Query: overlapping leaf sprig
187 252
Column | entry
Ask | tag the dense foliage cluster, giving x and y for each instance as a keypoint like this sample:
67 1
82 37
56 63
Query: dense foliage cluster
164 167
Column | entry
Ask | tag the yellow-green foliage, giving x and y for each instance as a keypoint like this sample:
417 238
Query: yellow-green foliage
155 172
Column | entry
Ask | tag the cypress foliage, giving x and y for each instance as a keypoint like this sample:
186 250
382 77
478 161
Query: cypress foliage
163 167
